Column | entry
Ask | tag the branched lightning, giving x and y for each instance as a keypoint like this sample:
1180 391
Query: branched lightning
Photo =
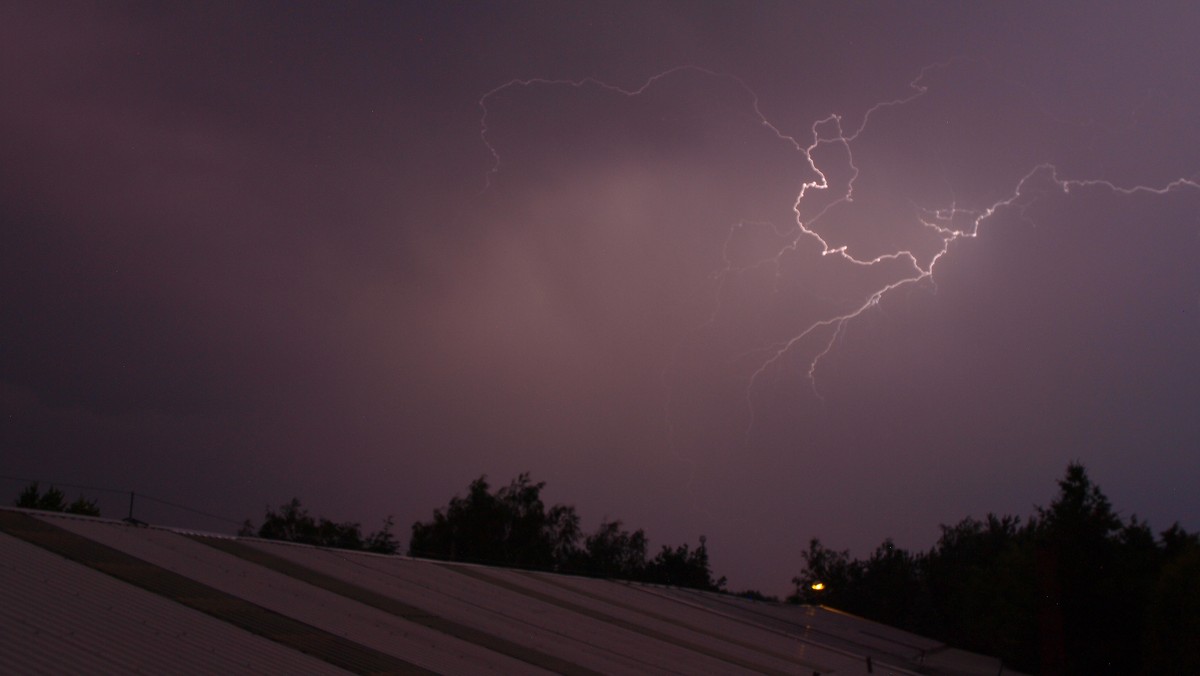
577 84
949 224
940 221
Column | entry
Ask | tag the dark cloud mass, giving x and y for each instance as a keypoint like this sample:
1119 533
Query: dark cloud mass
264 251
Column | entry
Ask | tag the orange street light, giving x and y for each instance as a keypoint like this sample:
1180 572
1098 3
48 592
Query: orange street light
818 586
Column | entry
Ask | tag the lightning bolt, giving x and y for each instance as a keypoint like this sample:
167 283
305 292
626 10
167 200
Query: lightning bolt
940 221
579 84
949 224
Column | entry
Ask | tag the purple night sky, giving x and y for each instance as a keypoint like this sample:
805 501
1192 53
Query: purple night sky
362 253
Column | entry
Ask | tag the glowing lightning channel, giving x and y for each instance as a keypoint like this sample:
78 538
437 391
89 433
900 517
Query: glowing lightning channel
577 84
948 236
830 131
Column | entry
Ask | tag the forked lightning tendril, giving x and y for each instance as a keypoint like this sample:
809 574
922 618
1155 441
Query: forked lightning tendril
830 131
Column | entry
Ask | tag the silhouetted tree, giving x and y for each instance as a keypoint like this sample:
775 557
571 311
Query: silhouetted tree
513 527
1177 541
53 500
980 596
827 578
1076 553
683 567
509 527
613 552
1173 613
1075 590
293 523
887 586
890 579
756 595
382 541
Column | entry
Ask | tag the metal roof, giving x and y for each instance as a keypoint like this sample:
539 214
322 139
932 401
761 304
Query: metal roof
85 595
60 617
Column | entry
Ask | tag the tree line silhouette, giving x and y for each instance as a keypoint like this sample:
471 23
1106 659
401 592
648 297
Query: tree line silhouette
510 527
293 523
513 527
54 500
1072 589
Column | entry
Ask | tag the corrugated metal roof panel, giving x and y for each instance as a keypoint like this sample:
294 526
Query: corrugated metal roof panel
61 617
577 637
856 634
371 613
642 604
290 597
963 663
830 627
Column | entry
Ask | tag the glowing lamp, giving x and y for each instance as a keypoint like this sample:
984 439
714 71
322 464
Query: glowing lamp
818 586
